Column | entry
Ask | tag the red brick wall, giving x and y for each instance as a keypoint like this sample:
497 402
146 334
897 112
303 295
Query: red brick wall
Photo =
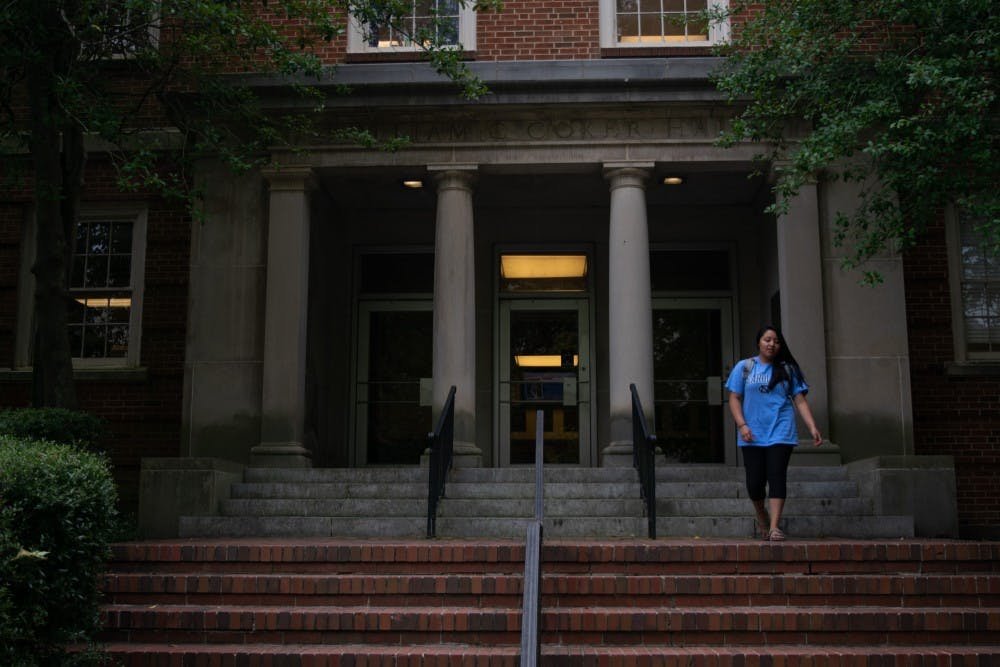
144 415
954 415
529 30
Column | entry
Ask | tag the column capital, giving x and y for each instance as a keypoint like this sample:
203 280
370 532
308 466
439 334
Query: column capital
628 174
454 176
295 178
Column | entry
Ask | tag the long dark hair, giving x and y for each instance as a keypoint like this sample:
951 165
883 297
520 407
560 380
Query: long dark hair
784 368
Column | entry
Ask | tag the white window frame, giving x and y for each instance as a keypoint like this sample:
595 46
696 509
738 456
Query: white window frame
717 32
356 42
953 237
130 212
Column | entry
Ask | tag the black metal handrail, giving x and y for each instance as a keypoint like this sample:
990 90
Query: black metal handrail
643 458
531 610
442 447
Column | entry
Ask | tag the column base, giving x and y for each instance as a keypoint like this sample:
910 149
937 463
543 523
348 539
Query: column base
280 455
617 455
464 455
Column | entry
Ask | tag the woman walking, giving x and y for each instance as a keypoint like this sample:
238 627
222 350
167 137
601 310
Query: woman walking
763 391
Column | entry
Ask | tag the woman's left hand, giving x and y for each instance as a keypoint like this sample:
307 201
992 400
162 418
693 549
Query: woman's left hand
817 436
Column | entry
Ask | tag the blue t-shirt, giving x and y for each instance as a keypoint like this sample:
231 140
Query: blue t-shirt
769 414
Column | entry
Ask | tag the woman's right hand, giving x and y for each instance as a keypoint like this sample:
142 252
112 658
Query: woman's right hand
746 434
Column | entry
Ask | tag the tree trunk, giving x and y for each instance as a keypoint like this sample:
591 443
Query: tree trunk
57 153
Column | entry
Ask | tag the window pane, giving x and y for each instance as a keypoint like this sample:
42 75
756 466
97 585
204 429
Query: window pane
121 237
93 342
650 26
117 338
628 28
650 6
98 241
120 271
673 5
980 291
96 273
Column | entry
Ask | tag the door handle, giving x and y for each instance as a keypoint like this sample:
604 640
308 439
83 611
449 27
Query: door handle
569 391
714 390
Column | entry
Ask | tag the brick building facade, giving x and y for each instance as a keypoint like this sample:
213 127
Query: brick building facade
264 329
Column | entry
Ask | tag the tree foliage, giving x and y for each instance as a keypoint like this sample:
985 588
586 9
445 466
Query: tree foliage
152 85
898 96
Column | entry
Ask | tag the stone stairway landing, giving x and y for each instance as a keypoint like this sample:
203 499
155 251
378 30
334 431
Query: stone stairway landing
383 503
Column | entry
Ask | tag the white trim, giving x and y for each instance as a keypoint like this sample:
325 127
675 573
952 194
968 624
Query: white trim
356 42
953 239
718 33
138 216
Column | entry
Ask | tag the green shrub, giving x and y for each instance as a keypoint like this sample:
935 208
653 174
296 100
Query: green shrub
57 517
70 427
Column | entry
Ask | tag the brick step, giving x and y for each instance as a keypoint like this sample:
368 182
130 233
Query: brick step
557 590
464 590
269 655
476 626
563 626
631 557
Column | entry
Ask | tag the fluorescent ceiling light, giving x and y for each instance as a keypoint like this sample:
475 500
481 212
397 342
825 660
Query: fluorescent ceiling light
542 360
514 267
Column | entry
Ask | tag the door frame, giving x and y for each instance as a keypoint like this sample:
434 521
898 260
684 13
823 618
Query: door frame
359 420
726 308
586 388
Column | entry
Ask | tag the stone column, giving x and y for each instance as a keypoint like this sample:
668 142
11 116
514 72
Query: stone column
284 372
454 361
800 281
630 307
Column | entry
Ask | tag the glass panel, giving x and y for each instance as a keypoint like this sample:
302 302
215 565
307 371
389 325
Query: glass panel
544 354
93 341
120 271
648 6
650 26
673 5
687 350
628 28
399 354
96 273
98 240
543 273
397 273
121 238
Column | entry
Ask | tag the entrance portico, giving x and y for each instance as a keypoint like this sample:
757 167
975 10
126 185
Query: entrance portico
543 178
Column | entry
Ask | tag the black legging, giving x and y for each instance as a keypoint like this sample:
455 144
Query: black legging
767 470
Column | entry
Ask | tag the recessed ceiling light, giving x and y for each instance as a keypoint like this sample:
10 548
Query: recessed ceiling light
415 184
673 180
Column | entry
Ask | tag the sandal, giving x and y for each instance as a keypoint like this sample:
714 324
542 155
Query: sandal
776 535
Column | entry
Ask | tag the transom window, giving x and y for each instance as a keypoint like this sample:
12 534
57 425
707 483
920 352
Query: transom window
978 286
446 21
105 273
635 23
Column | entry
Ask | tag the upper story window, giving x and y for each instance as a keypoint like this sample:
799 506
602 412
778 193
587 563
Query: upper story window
668 23
975 285
446 22
105 286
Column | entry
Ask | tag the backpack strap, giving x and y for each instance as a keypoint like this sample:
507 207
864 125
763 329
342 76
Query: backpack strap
748 365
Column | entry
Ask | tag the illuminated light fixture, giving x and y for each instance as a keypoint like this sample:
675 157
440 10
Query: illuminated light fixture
673 180
542 360
514 267
413 184
105 303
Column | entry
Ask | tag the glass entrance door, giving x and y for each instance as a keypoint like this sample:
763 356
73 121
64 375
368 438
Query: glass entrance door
544 363
392 392
692 350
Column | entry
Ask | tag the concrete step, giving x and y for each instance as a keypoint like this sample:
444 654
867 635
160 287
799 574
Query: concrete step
412 474
795 506
795 527
815 489
320 490
303 526
673 472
